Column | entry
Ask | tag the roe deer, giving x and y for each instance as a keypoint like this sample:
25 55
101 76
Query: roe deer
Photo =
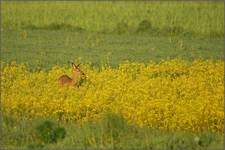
74 80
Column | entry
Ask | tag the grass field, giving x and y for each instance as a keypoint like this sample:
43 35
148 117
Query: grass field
154 75
54 34
49 48
200 18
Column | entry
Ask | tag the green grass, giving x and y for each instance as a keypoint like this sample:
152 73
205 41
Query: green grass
44 34
43 48
200 18
112 131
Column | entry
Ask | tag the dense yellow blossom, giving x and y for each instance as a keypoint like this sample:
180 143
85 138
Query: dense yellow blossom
172 94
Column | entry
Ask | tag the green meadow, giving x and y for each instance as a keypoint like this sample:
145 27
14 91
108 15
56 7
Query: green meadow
110 32
44 34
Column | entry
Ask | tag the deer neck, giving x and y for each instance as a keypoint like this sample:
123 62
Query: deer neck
75 77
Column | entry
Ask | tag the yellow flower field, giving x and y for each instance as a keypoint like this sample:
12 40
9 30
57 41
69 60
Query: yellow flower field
172 94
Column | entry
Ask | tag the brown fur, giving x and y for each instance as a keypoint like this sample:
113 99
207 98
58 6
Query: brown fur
71 81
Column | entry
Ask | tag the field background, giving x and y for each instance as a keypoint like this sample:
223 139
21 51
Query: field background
102 36
57 32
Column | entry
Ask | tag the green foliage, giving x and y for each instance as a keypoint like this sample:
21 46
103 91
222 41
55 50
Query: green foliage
59 133
198 18
180 140
54 27
50 133
122 27
206 138
112 131
35 146
144 25
175 30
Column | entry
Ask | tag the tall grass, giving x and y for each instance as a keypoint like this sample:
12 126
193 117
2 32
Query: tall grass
112 131
201 18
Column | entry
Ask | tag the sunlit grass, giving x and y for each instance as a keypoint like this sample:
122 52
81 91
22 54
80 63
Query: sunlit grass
200 18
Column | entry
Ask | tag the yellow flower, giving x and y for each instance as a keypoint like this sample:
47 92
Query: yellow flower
172 94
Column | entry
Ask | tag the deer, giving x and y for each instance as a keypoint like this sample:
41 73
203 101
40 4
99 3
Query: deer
74 80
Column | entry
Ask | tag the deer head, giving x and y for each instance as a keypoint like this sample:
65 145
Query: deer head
76 70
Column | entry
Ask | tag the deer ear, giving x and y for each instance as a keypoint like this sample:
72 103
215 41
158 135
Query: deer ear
73 65
78 65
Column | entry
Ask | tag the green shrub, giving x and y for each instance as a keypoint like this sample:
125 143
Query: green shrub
180 141
144 25
122 27
50 133
206 138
